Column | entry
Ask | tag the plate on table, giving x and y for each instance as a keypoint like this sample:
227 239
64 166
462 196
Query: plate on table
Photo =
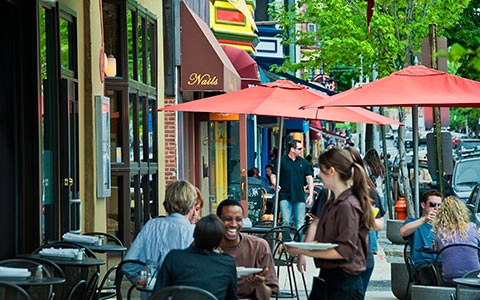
242 271
14 276
311 246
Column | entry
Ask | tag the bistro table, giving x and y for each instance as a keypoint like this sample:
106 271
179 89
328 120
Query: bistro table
32 281
256 230
471 282
109 247
84 263
75 270
467 288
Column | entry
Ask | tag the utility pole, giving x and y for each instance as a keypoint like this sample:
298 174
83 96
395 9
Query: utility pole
432 37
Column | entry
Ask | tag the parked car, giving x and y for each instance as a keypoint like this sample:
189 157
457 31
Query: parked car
466 174
407 140
467 147
473 204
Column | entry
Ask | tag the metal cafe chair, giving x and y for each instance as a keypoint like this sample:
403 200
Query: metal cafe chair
276 237
13 292
180 292
129 269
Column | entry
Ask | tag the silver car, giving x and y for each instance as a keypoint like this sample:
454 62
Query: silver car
466 174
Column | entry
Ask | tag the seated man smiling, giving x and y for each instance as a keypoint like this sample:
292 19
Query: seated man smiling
247 251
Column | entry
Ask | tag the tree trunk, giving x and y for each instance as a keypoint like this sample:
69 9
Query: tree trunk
404 176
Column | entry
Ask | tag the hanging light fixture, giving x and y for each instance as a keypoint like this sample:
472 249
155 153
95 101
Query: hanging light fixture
111 66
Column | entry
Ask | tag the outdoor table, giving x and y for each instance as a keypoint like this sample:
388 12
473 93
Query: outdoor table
84 263
467 288
32 281
255 230
75 270
471 282
105 248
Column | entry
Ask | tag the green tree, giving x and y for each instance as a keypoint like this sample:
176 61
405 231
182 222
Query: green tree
464 60
397 29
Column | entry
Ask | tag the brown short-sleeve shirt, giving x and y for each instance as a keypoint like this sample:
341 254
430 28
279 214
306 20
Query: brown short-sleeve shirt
253 252
341 222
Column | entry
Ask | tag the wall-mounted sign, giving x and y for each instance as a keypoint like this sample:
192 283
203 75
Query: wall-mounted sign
224 117
102 124
202 79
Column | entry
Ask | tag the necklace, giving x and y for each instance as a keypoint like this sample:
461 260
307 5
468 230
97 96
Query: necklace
235 246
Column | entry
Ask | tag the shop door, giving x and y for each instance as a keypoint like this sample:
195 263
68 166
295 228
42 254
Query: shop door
222 161
59 124
69 160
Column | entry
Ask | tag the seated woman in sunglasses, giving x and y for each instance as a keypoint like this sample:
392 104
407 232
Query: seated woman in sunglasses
418 231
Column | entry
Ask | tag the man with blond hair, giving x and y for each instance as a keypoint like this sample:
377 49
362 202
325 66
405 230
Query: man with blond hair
160 235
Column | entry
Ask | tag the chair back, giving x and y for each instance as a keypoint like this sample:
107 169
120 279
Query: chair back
472 274
92 285
78 291
438 266
106 289
180 292
12 291
130 269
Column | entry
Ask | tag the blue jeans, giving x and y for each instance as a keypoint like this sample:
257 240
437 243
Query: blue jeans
298 208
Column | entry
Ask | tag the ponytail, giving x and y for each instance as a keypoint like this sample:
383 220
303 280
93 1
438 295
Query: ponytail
360 189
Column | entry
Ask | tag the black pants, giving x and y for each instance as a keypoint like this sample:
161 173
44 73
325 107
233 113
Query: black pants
335 284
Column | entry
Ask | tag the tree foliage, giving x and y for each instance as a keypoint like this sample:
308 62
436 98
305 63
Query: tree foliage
397 29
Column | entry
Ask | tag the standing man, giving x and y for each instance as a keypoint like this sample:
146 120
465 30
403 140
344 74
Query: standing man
294 171
247 251
418 231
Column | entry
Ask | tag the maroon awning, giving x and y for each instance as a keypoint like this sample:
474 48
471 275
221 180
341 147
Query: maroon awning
245 65
205 66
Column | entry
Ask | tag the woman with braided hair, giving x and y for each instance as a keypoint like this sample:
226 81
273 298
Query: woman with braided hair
452 226
344 220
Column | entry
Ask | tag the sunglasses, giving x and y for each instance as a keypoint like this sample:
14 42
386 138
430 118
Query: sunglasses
434 204
299 149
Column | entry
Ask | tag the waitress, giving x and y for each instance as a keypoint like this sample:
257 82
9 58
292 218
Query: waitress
343 221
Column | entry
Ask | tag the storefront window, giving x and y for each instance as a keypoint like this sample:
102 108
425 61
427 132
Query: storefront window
140 44
64 44
130 53
135 138
115 127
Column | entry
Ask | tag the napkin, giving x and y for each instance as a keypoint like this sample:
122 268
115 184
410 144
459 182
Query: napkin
78 238
68 252
14 272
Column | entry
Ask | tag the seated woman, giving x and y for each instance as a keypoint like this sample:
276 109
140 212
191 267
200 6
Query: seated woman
201 265
452 226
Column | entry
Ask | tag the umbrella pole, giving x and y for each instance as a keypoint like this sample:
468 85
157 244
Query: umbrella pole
416 184
279 160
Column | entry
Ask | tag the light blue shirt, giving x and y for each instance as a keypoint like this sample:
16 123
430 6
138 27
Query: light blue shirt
157 238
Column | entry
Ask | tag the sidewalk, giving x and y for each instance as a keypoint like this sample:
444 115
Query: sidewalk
379 287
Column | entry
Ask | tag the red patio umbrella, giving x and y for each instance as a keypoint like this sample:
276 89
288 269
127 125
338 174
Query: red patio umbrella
414 85
281 98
